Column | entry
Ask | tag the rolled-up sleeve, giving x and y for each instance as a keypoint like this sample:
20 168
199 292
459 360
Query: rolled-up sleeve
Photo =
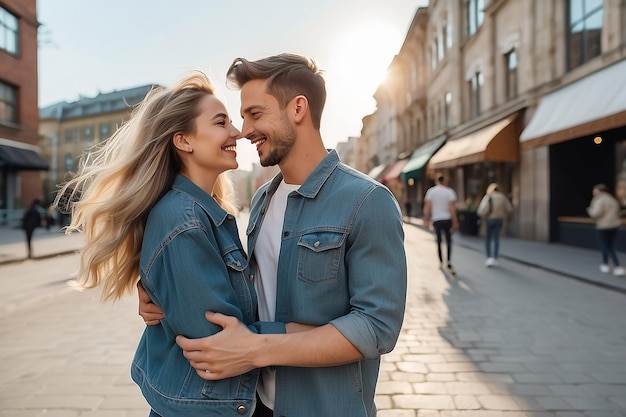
376 261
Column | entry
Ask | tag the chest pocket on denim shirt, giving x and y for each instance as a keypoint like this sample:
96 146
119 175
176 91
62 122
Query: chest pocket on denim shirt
320 255
235 260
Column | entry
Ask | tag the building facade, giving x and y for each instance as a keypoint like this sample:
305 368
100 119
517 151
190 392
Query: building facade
20 162
575 126
68 129
528 94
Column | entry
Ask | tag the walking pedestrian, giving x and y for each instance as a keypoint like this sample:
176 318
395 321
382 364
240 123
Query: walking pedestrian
440 211
494 209
605 210
154 203
31 220
341 270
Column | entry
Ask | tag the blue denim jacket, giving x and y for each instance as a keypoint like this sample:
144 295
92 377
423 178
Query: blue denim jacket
342 261
192 261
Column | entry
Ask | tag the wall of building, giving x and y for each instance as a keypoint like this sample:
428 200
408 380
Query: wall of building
21 71
538 31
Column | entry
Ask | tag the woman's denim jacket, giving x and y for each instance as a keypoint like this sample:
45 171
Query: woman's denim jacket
192 261
342 261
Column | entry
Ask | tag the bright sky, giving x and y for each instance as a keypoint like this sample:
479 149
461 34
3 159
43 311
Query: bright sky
90 46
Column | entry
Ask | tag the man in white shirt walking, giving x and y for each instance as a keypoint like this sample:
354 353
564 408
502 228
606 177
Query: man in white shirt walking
440 210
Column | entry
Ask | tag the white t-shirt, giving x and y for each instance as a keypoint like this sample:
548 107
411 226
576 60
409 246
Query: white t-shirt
267 251
440 197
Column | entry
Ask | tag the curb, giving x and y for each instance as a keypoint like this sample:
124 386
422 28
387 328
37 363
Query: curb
37 258
579 278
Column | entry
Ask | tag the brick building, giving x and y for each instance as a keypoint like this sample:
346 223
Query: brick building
20 162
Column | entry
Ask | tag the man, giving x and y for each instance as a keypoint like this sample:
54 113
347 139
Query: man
326 246
440 210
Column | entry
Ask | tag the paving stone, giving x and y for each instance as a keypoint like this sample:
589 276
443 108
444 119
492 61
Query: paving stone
396 413
430 388
418 402
440 377
394 387
498 402
469 388
466 402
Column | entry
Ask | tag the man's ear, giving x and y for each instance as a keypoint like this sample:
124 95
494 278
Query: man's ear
181 143
300 108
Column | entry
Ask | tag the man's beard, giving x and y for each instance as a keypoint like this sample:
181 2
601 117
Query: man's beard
281 143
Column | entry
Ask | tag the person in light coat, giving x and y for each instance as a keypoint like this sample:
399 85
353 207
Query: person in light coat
605 210
495 208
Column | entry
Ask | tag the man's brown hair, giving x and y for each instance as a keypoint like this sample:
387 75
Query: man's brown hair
288 76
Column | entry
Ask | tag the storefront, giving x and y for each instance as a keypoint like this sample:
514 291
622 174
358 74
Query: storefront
391 179
473 161
15 157
583 126
413 174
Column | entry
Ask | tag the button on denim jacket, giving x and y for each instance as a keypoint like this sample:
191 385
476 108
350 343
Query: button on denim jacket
342 261
192 261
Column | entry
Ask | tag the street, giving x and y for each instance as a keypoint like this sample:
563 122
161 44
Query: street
506 341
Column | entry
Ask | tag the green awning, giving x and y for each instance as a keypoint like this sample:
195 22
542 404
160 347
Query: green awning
420 157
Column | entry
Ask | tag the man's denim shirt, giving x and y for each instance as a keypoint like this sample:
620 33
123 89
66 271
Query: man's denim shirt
342 261
192 261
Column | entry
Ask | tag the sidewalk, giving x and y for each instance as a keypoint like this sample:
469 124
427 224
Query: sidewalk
573 262
45 243
577 263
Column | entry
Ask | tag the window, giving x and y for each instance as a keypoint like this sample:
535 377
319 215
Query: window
444 36
69 135
440 48
438 118
88 136
8 104
418 128
104 131
449 39
511 74
69 161
433 54
475 15
584 36
447 110
8 32
475 85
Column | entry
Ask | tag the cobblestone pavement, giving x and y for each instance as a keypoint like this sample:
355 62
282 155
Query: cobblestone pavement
508 341
65 354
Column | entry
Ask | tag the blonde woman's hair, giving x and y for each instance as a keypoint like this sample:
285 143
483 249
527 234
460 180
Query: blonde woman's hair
120 180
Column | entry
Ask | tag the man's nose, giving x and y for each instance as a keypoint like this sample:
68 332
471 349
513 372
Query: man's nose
246 130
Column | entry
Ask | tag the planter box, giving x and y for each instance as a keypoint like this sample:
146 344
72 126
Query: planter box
468 222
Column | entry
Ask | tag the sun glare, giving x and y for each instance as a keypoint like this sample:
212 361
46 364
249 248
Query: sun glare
361 57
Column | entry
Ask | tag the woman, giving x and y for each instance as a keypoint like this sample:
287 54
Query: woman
154 203
605 210
495 208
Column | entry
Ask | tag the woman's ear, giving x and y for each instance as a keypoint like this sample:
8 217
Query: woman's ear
181 143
